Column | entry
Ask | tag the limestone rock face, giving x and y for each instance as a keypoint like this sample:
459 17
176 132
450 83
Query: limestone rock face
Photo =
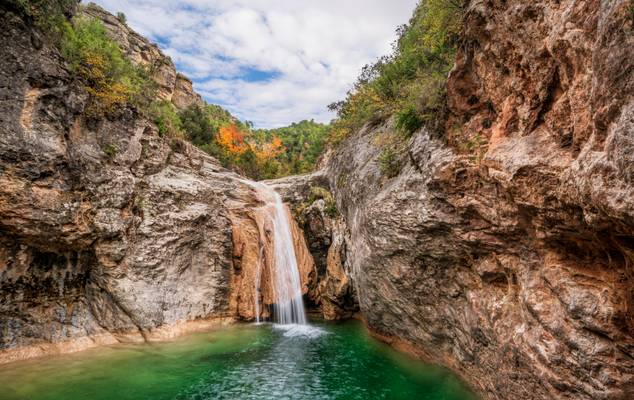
254 256
512 265
109 232
172 85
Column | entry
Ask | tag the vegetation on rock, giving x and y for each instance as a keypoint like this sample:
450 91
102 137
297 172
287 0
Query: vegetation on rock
330 205
389 163
47 14
121 17
410 83
114 82
110 78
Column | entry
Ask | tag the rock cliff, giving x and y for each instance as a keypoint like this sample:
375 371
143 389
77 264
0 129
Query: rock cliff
109 232
330 287
504 249
172 85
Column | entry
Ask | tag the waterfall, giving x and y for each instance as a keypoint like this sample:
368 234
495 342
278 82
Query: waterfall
258 279
288 305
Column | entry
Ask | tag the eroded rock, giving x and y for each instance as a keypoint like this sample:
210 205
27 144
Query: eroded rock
109 232
512 264
330 288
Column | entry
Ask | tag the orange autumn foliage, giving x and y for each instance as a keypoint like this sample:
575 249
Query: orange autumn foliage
235 142
270 150
232 140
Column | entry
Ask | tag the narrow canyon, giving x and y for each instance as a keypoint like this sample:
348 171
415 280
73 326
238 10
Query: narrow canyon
510 262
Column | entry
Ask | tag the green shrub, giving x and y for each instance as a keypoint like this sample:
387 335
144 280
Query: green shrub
409 83
320 193
197 125
408 120
110 78
48 15
110 150
389 163
317 192
122 18
331 209
168 122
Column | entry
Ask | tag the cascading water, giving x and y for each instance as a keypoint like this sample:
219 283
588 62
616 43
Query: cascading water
258 280
288 306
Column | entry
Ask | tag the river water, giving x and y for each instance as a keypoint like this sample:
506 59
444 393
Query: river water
244 361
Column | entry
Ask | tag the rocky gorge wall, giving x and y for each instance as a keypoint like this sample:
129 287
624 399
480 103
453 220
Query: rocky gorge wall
330 289
504 248
109 232
172 85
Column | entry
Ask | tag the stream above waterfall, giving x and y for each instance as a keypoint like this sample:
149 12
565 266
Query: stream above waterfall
244 361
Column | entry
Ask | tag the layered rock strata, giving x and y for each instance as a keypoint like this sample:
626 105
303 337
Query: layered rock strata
109 232
504 247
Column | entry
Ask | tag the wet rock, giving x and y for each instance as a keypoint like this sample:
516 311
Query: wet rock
330 288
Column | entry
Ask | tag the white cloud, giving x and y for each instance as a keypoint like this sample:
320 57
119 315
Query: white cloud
310 51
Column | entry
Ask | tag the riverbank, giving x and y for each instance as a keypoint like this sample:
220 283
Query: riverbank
160 334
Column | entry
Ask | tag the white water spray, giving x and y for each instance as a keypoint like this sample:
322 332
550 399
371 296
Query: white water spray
258 279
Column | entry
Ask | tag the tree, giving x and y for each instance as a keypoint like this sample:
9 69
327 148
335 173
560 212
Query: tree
270 149
121 17
232 140
197 126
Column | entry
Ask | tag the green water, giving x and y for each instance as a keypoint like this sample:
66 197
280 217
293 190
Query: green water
337 361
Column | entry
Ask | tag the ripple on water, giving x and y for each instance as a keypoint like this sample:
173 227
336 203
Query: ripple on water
264 362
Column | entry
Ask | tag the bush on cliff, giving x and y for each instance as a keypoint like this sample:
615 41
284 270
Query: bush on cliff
165 116
110 78
389 162
114 82
410 83
46 14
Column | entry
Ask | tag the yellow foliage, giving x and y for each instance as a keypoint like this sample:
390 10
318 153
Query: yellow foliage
107 94
270 149
109 77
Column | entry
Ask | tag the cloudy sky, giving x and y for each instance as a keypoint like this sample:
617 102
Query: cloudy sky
269 61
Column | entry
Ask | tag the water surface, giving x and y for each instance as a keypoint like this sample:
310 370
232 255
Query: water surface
326 361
